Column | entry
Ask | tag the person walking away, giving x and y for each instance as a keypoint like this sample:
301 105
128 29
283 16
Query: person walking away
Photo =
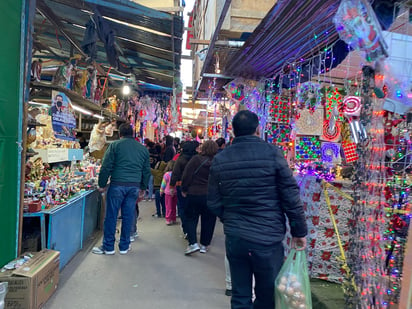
251 189
170 150
221 143
126 163
188 151
194 186
154 157
170 195
158 173
133 231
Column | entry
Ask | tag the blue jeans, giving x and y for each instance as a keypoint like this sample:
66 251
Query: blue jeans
160 202
247 259
150 188
181 205
123 198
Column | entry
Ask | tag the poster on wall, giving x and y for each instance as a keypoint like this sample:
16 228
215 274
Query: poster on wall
63 120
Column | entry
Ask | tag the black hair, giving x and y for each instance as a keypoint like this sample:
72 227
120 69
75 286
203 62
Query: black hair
189 149
125 130
169 140
220 141
245 123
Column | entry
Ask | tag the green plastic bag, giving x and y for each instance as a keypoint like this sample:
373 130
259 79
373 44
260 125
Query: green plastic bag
292 287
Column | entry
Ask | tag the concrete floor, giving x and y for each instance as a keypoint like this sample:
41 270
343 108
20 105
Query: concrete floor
155 274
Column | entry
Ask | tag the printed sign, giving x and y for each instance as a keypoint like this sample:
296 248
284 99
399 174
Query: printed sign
63 120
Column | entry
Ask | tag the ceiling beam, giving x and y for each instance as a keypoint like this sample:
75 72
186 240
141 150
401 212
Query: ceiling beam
48 13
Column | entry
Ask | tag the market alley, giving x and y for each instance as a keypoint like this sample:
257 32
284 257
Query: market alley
155 274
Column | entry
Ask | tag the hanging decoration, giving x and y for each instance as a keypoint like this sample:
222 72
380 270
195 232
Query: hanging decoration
349 150
334 102
357 25
280 110
366 251
330 152
307 148
309 96
352 106
331 132
310 123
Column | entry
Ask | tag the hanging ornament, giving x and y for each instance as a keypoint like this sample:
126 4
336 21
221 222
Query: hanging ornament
358 131
357 25
349 150
308 148
310 95
331 131
310 123
352 106
330 152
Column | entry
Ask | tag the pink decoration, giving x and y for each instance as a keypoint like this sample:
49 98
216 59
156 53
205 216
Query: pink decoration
352 106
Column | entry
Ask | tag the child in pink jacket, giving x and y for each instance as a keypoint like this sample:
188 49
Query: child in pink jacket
170 195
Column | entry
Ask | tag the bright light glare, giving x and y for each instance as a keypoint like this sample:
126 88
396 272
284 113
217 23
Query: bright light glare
126 89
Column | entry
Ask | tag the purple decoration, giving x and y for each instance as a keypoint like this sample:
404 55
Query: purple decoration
330 151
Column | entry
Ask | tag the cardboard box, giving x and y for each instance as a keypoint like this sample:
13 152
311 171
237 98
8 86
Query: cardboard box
31 285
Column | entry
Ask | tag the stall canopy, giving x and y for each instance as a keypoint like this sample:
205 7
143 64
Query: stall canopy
295 31
121 36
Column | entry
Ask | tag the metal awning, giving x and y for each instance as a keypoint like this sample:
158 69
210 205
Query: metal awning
147 42
292 30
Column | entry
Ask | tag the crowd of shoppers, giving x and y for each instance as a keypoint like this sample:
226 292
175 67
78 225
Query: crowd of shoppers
248 185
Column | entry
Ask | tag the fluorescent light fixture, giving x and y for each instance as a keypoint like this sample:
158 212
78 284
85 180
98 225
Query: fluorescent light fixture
82 110
98 116
39 104
126 90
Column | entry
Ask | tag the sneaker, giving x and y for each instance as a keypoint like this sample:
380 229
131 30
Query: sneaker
125 251
156 216
192 249
228 292
100 250
169 222
133 237
203 249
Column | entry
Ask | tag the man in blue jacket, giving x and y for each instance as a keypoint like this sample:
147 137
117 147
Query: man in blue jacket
251 189
126 162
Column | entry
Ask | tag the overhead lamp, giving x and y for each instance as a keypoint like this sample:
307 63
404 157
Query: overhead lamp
126 89
98 116
82 110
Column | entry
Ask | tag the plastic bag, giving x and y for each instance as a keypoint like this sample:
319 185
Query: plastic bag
292 288
3 292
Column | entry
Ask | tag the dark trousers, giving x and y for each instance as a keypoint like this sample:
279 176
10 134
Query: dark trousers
134 223
181 205
197 206
160 203
247 259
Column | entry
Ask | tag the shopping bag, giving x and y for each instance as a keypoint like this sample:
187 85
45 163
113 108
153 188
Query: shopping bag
292 287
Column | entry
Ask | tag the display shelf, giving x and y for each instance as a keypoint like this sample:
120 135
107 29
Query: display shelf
78 99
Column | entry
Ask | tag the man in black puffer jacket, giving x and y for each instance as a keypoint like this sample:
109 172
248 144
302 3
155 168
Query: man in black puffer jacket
251 189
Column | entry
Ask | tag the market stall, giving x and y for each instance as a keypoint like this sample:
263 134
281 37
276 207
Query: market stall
91 67
336 98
